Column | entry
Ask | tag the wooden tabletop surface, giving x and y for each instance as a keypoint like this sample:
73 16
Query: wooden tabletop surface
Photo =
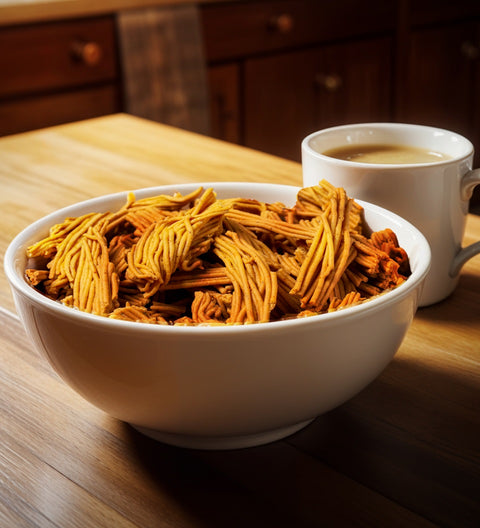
405 452
32 11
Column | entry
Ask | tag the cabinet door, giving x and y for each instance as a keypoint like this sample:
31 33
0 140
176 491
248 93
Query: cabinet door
223 84
440 84
290 95
437 87
473 47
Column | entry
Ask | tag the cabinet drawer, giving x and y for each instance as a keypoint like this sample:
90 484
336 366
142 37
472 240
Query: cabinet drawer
245 28
29 113
56 55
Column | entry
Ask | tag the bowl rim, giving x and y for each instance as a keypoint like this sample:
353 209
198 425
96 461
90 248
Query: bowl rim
26 236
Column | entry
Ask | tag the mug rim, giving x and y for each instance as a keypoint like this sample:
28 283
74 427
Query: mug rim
307 148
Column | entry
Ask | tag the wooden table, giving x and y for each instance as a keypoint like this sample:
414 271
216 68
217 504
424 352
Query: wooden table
30 11
404 452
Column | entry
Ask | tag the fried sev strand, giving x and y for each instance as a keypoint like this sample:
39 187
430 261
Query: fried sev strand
275 226
65 259
36 276
257 285
323 291
387 241
141 219
231 256
284 265
166 309
317 196
118 250
48 246
311 201
347 300
266 263
210 306
318 261
95 283
215 276
137 314
376 262
143 212
343 253
163 248
63 262
329 253
166 202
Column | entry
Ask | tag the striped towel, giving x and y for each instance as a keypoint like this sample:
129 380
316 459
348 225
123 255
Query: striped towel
163 66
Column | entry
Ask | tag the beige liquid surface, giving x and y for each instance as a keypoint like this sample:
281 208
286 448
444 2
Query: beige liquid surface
390 154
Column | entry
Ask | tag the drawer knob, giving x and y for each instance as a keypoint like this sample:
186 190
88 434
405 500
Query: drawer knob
331 82
282 23
87 52
470 50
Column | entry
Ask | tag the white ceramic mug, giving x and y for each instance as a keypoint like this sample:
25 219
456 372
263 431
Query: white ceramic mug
432 196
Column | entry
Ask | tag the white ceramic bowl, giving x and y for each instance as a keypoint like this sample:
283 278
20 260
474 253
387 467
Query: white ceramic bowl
219 387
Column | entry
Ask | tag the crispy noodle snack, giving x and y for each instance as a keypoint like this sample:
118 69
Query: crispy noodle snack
197 259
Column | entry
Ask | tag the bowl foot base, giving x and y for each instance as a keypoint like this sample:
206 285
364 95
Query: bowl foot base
221 442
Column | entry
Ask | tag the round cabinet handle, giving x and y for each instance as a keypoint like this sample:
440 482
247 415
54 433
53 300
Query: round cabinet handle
282 23
331 82
470 50
87 52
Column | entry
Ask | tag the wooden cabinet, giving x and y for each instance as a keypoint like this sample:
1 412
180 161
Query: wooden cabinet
283 68
439 86
288 96
56 72
438 80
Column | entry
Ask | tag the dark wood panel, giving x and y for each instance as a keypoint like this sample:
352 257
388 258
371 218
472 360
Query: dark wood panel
438 88
45 56
29 113
244 28
288 96
427 12
224 97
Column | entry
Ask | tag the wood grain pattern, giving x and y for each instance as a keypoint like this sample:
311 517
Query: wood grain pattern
403 452
21 11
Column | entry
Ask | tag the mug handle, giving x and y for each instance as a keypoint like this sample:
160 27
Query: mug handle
469 181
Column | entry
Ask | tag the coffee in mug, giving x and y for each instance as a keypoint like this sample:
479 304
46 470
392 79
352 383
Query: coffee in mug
432 194
385 154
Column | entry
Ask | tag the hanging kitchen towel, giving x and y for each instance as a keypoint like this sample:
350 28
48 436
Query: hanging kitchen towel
163 66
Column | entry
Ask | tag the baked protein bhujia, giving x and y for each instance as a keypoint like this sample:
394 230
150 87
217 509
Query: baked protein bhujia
198 259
